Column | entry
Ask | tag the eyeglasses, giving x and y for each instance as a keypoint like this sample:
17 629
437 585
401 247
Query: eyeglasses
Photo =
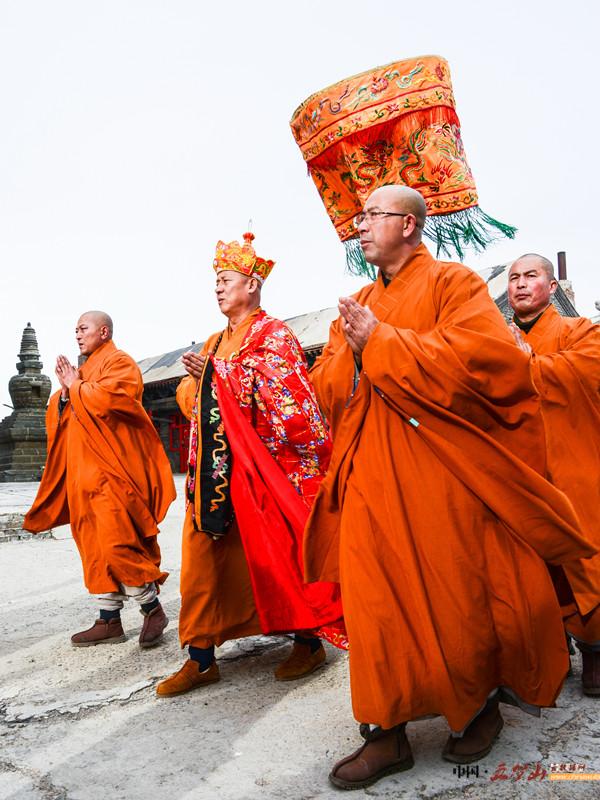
373 216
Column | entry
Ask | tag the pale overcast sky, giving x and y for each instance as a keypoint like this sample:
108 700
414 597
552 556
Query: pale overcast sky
134 135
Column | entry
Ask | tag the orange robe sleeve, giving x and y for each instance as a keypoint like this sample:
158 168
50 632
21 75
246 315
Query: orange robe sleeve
186 394
113 390
52 508
108 406
566 371
568 380
188 386
334 375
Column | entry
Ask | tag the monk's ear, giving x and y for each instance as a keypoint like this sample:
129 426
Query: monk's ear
410 224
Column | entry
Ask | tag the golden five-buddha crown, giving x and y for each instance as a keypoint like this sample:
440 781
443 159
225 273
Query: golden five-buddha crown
242 258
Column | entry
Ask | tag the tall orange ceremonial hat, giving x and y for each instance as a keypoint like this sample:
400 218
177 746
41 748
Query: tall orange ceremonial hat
395 124
242 258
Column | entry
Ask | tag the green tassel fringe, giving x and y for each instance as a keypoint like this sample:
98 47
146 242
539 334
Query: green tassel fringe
469 228
356 263
450 233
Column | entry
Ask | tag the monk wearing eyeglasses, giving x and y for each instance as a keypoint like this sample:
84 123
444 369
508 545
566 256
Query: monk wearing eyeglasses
434 514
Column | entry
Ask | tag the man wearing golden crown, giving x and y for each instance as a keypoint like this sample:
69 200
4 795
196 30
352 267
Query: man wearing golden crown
259 448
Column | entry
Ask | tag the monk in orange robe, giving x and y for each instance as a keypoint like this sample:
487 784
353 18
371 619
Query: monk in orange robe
565 360
259 448
434 514
108 475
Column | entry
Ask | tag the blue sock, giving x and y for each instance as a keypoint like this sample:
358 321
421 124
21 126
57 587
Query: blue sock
147 607
108 615
313 641
204 656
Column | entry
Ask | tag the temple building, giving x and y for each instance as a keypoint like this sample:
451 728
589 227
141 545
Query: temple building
162 373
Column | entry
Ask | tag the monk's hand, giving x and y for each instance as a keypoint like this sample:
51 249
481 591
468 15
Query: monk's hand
520 342
358 323
193 364
66 374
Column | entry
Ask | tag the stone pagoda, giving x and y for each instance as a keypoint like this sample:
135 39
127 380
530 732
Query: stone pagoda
23 433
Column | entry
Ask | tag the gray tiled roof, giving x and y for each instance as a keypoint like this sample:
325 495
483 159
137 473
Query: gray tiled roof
312 329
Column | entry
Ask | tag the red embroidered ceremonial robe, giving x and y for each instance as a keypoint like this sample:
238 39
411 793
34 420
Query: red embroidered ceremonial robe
251 579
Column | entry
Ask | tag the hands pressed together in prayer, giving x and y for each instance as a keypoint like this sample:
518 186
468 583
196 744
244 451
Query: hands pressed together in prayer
521 343
66 374
193 363
358 323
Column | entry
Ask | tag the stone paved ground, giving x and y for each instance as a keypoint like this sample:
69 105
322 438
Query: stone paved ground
84 724
15 499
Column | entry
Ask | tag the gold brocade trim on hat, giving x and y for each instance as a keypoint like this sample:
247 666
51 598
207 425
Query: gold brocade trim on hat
242 258
370 98
394 125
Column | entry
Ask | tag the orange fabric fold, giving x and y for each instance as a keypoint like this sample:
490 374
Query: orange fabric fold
566 372
107 474
434 514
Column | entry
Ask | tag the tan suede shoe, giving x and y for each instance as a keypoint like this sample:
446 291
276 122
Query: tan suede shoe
478 739
101 632
187 679
300 662
386 753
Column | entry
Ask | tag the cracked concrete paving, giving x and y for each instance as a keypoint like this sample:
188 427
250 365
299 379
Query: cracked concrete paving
84 723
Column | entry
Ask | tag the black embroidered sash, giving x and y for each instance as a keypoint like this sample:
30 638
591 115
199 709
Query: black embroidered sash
213 461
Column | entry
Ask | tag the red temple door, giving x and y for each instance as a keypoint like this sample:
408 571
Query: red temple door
179 438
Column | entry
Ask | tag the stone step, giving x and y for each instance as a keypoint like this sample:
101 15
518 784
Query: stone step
11 529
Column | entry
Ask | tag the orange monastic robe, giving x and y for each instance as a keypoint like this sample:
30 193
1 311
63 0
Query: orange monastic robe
566 372
107 474
430 516
217 601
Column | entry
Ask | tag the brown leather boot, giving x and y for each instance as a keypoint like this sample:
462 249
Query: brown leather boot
478 739
384 753
300 662
188 678
590 678
155 622
101 632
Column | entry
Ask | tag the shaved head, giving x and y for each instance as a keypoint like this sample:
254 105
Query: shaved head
390 227
94 328
401 198
99 318
531 284
542 261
